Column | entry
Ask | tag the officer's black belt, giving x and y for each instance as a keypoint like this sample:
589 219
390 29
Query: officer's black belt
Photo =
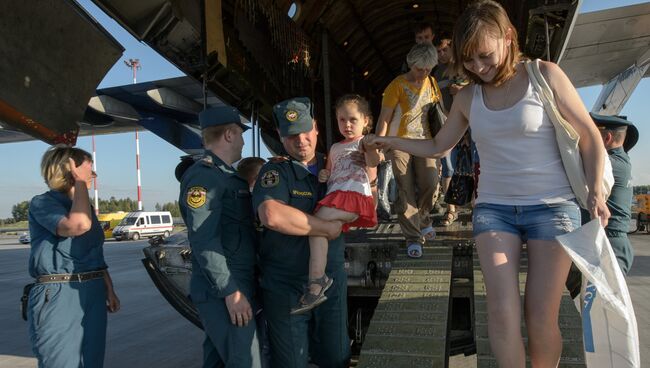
70 277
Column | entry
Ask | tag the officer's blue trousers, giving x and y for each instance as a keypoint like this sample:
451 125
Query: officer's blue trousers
622 249
67 324
225 344
321 333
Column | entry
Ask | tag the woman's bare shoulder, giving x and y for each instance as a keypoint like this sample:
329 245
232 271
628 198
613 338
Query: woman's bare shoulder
550 70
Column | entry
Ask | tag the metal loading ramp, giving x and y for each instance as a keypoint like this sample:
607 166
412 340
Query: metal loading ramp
434 308
409 325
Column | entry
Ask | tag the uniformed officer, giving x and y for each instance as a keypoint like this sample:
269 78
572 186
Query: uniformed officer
215 204
619 136
67 306
285 196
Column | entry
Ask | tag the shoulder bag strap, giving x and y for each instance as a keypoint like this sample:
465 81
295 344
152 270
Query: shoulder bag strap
548 100
436 90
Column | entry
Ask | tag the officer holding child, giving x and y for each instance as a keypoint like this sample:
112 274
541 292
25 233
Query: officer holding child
284 197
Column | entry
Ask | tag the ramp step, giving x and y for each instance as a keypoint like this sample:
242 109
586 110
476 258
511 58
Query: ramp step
409 325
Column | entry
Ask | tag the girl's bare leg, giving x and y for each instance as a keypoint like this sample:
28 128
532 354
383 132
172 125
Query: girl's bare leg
499 255
548 268
318 245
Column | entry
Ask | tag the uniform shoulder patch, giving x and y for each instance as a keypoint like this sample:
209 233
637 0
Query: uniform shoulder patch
270 179
196 196
207 161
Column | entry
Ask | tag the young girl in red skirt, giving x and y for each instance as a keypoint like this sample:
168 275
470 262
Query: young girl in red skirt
349 197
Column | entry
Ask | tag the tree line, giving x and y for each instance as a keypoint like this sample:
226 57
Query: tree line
19 211
641 189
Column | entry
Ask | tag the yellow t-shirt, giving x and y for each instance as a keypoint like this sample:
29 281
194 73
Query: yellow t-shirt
411 106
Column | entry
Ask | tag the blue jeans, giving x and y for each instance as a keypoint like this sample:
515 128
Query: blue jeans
533 222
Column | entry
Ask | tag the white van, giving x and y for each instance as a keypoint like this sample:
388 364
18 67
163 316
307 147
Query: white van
144 224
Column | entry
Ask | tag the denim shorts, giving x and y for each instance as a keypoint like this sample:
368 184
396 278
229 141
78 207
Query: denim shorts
533 222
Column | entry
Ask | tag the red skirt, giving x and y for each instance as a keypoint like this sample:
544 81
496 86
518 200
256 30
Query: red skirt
353 202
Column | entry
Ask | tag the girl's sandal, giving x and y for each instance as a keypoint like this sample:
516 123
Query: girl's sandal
449 219
309 301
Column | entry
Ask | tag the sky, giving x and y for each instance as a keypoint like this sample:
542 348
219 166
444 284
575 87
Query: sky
116 153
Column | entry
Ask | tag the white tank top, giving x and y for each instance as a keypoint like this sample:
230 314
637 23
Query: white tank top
520 160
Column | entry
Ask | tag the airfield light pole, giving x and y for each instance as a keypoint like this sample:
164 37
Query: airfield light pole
95 178
134 64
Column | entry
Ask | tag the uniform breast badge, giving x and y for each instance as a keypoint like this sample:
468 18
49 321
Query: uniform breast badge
196 197
270 179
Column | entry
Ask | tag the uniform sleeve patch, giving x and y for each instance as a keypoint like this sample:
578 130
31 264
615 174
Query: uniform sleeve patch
270 179
196 196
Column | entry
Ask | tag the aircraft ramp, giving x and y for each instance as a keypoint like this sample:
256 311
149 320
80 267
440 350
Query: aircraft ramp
434 307
409 325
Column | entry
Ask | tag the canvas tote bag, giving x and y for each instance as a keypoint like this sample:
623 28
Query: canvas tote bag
567 140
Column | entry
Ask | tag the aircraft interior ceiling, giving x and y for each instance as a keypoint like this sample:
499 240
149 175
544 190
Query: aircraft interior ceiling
257 55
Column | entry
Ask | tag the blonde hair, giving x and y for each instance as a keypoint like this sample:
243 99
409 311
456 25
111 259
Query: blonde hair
485 17
55 167
213 133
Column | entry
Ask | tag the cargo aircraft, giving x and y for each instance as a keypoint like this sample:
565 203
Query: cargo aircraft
253 53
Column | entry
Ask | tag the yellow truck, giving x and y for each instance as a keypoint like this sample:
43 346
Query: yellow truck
641 206
109 221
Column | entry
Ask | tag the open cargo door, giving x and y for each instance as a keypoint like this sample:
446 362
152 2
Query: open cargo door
54 55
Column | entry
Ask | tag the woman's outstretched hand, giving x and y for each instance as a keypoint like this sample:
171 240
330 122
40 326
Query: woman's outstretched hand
371 141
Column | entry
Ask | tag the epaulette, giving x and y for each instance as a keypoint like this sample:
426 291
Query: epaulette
207 161
279 159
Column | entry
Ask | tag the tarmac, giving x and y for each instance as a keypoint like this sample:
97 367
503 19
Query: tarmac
147 331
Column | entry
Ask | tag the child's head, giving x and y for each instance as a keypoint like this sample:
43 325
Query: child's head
484 45
249 167
353 116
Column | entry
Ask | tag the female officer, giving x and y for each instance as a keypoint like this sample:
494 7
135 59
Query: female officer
67 305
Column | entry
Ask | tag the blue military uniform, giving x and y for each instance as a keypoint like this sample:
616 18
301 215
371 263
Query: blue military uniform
284 260
67 320
619 204
216 206
620 199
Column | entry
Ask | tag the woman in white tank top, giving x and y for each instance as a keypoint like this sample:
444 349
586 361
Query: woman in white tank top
523 195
